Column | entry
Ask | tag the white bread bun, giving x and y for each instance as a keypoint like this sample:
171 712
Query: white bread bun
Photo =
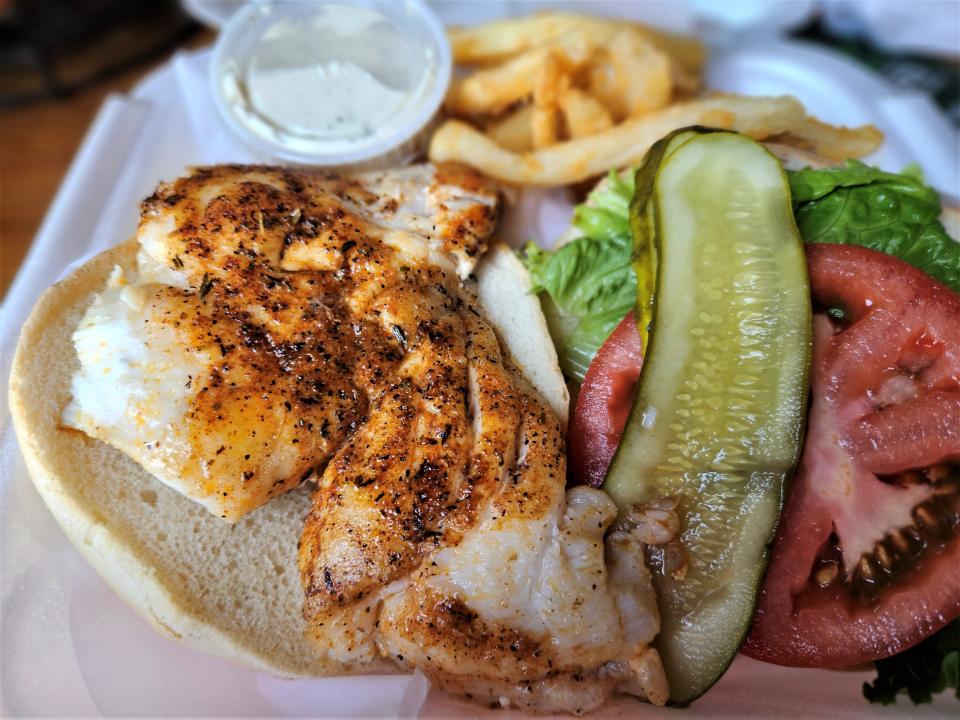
231 590
503 287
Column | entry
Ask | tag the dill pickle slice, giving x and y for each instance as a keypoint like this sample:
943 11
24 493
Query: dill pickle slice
718 414
641 225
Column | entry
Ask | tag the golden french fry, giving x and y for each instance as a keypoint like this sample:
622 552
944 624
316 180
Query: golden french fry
495 42
514 131
583 114
793 157
625 144
834 141
550 83
492 90
498 41
545 126
630 76
687 56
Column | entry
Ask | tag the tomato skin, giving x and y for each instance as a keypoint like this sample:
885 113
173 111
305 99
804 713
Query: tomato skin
603 405
903 332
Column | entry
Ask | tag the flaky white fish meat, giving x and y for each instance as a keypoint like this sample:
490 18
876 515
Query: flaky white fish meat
288 325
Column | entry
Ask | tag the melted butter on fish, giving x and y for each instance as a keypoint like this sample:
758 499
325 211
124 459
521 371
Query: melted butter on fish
285 325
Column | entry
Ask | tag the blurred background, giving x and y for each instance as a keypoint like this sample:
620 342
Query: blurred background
59 59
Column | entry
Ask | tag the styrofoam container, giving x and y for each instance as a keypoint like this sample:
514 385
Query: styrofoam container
69 647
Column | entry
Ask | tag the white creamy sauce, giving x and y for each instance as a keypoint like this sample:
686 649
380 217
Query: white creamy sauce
330 81
333 100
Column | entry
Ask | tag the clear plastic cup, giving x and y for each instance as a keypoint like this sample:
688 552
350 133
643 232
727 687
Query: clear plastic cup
338 83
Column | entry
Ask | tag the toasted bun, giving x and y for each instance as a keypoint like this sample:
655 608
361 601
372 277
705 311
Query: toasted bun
503 287
231 590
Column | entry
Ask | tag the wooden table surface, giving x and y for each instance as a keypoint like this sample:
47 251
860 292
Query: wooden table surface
37 144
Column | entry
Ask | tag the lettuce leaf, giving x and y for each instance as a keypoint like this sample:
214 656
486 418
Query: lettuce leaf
929 667
588 285
894 213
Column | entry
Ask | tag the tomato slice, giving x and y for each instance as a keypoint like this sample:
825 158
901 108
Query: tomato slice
866 561
603 405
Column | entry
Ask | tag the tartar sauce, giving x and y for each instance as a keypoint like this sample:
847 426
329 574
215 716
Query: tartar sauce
328 78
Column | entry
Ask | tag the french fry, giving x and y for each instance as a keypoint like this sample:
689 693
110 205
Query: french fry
584 115
630 76
626 144
496 42
492 90
551 81
545 127
687 56
606 85
514 131
834 141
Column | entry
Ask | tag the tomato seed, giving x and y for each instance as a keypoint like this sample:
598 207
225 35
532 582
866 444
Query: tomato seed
883 557
900 541
925 518
826 575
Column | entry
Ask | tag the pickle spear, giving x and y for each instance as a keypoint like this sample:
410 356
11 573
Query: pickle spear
717 418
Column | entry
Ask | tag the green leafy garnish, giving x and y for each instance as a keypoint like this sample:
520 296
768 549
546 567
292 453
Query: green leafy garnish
930 667
894 213
587 286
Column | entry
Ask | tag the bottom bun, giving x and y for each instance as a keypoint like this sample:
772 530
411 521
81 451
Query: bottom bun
230 590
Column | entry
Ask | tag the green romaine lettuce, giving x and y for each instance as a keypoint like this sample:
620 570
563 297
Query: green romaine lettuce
895 213
930 667
588 285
